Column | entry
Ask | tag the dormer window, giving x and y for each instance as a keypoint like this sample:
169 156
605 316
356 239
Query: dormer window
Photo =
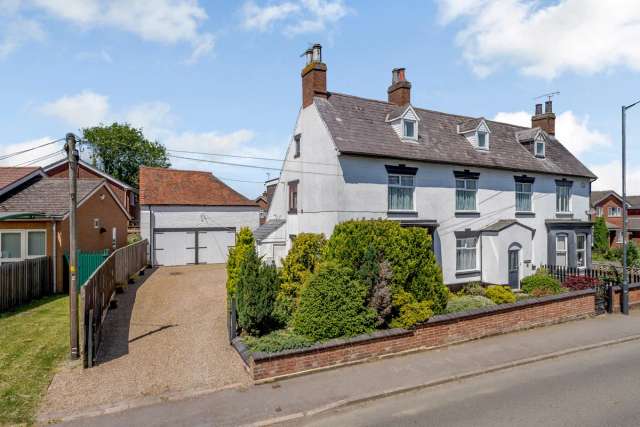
409 129
483 140
539 147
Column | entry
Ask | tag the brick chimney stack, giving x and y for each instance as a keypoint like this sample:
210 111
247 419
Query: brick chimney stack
547 120
400 90
314 76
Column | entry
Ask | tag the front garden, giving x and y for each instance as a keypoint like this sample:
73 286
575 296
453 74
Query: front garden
368 276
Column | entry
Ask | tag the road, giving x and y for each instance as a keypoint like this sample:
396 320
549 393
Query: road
595 388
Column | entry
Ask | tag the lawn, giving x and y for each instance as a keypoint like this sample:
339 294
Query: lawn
33 340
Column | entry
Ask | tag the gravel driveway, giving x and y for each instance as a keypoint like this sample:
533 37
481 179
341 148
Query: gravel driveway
168 335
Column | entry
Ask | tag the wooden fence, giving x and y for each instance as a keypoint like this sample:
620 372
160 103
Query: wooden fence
609 275
24 281
98 290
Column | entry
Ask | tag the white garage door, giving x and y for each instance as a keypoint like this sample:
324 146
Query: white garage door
213 246
175 247
178 247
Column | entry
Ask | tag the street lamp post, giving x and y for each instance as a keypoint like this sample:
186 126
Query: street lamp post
624 303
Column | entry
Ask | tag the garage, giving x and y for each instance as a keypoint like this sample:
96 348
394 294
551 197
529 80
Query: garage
191 217
199 246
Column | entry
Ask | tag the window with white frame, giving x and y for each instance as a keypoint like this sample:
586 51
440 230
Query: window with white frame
539 148
581 250
409 128
561 250
16 245
483 140
563 196
614 211
466 190
401 190
36 243
619 236
467 254
599 211
524 197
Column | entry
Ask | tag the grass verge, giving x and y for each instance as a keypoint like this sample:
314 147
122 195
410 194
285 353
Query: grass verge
33 340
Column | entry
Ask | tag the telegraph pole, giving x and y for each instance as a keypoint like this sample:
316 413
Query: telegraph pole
72 154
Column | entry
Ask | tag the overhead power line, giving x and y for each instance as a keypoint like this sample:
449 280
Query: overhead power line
7 156
239 156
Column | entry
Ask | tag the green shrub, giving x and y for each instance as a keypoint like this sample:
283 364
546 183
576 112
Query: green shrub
332 304
541 280
256 292
467 302
520 296
412 314
277 341
473 288
297 266
408 250
500 294
244 245
600 235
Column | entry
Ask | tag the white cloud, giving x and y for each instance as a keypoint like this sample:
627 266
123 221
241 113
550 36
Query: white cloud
17 32
610 177
84 109
304 16
545 40
165 21
38 157
574 132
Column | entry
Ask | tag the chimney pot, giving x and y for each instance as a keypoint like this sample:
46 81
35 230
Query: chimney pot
314 76
399 92
545 121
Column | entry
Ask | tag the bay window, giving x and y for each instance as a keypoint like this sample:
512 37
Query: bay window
581 250
467 254
401 190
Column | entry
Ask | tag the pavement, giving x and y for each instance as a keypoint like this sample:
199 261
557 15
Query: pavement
587 389
167 337
296 399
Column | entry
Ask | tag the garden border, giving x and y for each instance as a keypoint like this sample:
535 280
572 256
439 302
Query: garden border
438 331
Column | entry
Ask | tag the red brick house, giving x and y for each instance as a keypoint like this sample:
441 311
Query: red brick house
34 219
127 195
608 204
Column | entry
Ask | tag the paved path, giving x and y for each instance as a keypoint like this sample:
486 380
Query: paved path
591 389
168 335
298 397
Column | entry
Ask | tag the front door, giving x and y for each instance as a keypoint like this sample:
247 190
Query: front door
514 268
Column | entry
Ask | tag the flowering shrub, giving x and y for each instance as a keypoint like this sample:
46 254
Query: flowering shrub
578 283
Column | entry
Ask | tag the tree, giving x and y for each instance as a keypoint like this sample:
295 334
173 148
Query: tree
600 235
122 149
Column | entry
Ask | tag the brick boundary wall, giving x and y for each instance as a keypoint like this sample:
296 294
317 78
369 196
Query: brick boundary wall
634 296
441 330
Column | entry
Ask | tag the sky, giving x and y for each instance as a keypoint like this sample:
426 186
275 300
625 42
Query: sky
224 77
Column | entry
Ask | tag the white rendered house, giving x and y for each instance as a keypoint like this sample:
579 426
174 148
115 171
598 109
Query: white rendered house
498 199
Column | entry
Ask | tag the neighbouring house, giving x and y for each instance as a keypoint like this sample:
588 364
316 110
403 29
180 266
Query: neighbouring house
12 177
499 200
127 195
34 220
608 204
264 199
191 217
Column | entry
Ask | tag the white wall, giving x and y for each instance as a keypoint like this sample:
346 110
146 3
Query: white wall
495 247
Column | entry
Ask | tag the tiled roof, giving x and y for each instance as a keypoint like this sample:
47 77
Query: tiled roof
502 224
48 196
9 175
634 202
160 186
267 228
598 196
358 127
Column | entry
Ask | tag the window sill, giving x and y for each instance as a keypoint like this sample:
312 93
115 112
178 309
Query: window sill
564 214
293 212
525 213
466 273
467 213
400 212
